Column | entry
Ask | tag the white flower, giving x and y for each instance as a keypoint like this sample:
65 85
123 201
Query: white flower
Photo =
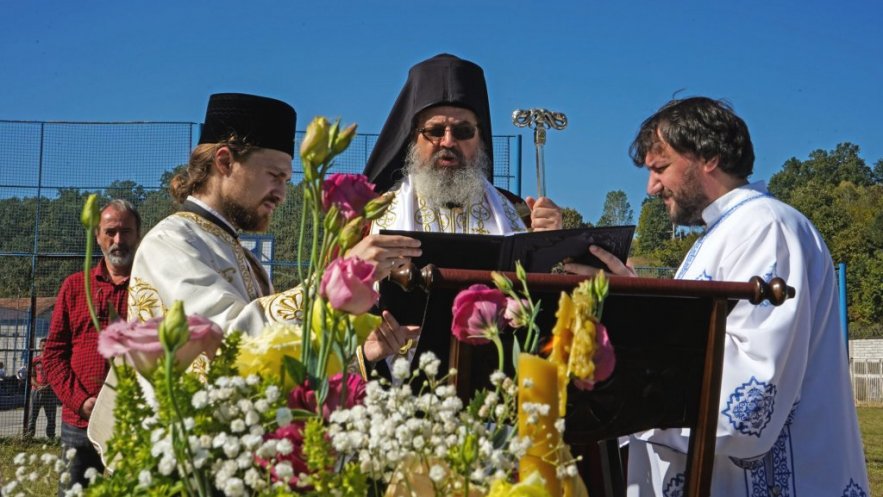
267 449
231 447
237 426
400 369
166 465
144 478
76 489
234 487
91 474
261 405
254 479
272 393
199 400
429 363
437 473
497 378
283 416
70 453
219 440
284 470
251 441
284 446
19 459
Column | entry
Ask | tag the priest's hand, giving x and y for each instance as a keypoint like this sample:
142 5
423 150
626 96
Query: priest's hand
544 214
390 338
386 252
613 264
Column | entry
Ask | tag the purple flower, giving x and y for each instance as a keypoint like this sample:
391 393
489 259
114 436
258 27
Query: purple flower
348 284
478 314
349 192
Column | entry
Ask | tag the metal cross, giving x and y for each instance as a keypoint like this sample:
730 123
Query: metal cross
539 119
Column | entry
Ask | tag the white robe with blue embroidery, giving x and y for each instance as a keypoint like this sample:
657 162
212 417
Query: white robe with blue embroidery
787 423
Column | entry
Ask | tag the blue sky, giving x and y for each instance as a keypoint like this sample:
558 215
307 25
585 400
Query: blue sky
804 75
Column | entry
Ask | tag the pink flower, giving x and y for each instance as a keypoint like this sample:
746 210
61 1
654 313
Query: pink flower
604 358
139 342
348 284
304 397
349 192
516 312
478 314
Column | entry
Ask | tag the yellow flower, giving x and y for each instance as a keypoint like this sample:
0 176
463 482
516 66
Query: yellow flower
574 339
314 147
263 354
342 140
91 216
532 486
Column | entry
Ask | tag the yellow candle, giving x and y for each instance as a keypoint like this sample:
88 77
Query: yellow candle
538 383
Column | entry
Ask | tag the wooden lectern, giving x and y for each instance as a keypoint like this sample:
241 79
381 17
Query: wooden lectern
668 337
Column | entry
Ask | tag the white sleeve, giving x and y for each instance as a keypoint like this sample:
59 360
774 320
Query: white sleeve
765 350
169 268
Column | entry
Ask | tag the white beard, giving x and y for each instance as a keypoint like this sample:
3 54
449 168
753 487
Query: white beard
442 186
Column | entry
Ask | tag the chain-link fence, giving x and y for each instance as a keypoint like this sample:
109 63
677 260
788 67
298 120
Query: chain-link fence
48 169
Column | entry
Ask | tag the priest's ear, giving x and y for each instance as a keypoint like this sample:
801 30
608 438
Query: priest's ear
223 160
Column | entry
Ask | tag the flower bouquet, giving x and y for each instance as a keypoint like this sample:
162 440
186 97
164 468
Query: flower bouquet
283 411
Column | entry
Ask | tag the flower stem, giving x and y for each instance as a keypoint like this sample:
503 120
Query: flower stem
87 278
495 337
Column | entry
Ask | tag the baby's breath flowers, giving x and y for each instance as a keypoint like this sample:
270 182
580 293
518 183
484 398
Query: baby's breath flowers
423 434
41 470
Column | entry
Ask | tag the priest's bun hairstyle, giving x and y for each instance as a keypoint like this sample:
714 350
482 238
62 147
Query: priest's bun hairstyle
194 177
702 127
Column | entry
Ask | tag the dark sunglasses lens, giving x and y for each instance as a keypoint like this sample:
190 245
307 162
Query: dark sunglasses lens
463 132
435 131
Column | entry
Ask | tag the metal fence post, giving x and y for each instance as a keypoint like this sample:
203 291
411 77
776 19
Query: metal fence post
844 317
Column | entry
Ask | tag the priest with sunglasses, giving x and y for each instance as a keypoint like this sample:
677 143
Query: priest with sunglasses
435 153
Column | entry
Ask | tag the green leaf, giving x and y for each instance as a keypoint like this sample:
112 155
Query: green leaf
295 369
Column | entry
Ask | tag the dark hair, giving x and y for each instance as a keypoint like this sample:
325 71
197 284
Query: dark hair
192 179
702 127
124 205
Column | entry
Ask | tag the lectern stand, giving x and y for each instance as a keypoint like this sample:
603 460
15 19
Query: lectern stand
668 337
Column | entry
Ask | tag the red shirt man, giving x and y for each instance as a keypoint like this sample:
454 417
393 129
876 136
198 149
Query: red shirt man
71 361
73 366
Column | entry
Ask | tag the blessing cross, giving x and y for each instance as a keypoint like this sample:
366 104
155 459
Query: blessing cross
539 119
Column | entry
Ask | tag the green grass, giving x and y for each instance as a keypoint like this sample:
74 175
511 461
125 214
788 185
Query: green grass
46 483
870 420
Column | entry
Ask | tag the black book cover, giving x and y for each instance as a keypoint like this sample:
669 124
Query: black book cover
538 251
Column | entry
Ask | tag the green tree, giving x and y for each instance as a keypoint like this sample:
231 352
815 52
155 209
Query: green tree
822 168
654 226
126 190
571 219
617 210
285 227
840 194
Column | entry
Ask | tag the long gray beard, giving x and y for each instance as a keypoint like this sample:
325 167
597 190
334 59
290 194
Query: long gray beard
443 186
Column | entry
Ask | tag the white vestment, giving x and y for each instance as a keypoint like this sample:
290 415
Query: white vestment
494 215
186 257
787 424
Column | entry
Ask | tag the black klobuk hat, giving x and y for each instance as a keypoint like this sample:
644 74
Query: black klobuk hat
258 121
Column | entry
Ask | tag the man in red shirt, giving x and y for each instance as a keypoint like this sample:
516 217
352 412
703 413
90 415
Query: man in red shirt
42 397
71 361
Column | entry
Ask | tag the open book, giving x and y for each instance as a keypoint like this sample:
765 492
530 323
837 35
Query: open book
538 251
